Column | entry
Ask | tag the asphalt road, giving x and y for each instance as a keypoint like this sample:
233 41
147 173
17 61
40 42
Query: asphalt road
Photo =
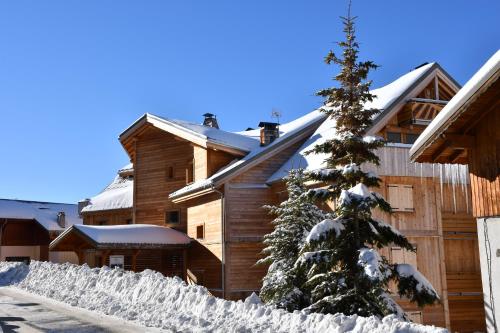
24 312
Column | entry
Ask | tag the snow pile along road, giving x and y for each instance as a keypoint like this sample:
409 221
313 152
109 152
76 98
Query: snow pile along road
154 300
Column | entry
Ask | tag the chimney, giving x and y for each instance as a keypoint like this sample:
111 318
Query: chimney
268 132
61 219
210 120
82 204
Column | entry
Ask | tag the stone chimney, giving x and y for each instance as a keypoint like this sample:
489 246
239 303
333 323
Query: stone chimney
210 120
268 132
82 204
61 219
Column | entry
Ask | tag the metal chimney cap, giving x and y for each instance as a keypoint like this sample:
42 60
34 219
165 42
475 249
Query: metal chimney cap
209 115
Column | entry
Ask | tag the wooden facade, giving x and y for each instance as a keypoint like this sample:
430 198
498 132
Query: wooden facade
227 222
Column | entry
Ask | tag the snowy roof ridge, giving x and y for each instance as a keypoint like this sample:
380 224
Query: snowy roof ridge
295 129
197 133
387 97
457 104
117 195
45 213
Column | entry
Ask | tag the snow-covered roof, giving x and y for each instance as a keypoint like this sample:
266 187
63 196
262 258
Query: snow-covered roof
386 98
202 135
44 213
457 104
289 131
117 195
133 234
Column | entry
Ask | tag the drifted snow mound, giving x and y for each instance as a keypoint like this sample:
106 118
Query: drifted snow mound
154 300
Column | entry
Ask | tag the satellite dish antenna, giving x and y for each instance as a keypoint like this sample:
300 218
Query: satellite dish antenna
275 113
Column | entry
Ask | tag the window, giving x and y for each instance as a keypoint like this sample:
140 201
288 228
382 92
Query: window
26 260
400 197
200 231
402 256
411 138
415 316
170 172
172 217
394 137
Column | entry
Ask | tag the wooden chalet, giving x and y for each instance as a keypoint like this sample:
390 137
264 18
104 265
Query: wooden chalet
467 131
212 185
27 228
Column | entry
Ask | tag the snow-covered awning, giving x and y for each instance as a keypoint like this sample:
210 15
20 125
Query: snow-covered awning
45 213
133 236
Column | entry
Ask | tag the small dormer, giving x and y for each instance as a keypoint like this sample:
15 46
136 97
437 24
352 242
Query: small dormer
268 132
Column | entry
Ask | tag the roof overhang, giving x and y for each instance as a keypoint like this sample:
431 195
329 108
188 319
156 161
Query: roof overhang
148 120
435 70
448 134
212 183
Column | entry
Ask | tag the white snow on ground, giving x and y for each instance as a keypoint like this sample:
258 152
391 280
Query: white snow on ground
153 300
133 234
117 195
44 212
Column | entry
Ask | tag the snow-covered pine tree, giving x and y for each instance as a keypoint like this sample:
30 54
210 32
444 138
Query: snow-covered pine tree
344 271
294 219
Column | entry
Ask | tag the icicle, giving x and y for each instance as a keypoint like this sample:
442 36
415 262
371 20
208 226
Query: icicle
441 182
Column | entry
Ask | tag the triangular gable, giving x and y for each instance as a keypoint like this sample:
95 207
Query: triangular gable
390 99
393 96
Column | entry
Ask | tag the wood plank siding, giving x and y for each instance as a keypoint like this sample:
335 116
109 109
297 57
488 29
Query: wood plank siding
155 152
484 164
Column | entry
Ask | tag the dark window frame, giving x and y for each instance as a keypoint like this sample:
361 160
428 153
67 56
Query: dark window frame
168 215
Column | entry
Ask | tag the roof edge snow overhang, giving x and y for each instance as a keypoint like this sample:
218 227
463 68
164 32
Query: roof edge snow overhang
108 246
455 108
423 81
177 130
226 176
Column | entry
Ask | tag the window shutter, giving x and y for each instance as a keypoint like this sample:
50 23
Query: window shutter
400 197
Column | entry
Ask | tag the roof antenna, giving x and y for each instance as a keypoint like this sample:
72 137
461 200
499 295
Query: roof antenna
275 113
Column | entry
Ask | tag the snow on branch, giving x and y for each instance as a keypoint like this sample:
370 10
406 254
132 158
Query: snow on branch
372 264
325 227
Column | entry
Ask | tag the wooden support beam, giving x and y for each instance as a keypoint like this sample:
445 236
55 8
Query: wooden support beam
105 255
437 153
456 155
135 253
460 141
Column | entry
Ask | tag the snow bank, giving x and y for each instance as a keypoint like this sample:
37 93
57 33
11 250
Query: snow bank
154 300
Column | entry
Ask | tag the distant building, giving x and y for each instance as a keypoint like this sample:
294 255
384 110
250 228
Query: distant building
28 227
467 131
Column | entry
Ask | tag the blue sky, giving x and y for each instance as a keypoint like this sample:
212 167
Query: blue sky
74 74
